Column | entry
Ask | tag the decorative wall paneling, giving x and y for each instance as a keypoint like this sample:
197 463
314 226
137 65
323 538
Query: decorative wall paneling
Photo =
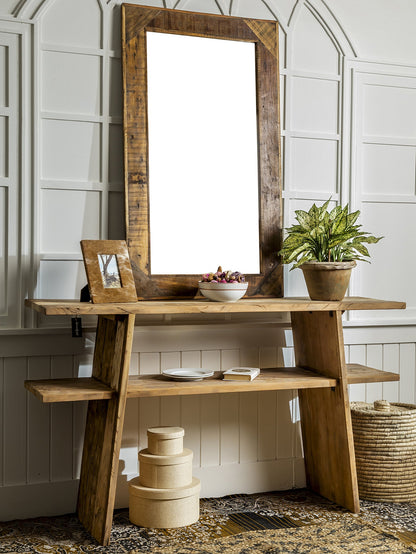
80 108
314 117
383 179
15 192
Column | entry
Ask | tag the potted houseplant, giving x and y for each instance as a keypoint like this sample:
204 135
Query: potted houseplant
325 245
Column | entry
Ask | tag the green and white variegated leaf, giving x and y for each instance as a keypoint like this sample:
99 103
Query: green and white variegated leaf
304 219
335 212
296 253
371 240
305 258
360 248
340 222
352 217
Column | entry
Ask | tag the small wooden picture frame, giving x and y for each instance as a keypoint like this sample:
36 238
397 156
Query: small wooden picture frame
108 269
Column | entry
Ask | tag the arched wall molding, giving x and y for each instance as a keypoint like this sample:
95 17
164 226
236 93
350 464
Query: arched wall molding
228 7
28 9
327 21
44 5
35 9
341 34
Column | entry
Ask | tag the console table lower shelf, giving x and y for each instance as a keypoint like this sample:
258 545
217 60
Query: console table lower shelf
321 376
285 378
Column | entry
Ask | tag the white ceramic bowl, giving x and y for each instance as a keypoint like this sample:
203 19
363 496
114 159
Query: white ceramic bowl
222 292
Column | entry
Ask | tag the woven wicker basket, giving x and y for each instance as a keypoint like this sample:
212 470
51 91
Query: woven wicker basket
385 450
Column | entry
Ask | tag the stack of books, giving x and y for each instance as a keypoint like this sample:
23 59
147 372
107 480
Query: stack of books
241 373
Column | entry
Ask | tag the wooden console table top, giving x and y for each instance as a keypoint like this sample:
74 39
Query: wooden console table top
249 305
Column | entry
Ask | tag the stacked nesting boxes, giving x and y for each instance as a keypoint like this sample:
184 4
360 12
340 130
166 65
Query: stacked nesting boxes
165 494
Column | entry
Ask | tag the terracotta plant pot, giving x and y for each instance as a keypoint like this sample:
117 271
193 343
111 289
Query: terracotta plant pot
327 280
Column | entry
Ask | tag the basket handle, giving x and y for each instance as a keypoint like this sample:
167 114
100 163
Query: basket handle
382 406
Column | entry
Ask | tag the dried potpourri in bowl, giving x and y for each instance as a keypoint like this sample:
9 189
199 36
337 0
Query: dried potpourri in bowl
223 286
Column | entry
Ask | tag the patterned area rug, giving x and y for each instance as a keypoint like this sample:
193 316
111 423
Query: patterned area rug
283 522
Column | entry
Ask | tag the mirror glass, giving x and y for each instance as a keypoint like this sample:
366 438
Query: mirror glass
203 164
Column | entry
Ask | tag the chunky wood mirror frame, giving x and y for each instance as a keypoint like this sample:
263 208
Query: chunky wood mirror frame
136 21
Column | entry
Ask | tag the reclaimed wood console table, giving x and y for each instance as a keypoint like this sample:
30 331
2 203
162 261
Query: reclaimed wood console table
321 375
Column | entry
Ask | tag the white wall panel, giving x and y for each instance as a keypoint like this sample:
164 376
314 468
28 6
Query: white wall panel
207 6
389 169
7 6
315 165
12 129
267 432
4 55
357 355
210 415
3 250
389 258
2 441
75 23
114 30
116 223
313 49
372 29
71 83
130 449
15 406
170 407
115 96
71 150
391 362
67 217
282 51
288 428
149 416
314 105
229 413
38 426
61 425
191 410
389 109
407 373
374 359
63 279
282 8
3 146
115 158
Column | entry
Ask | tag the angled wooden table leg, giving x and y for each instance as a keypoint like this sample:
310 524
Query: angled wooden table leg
104 426
325 413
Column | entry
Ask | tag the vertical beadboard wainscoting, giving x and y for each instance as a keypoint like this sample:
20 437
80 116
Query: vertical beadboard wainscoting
241 442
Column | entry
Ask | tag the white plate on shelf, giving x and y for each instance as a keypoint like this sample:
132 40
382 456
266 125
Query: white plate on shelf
187 374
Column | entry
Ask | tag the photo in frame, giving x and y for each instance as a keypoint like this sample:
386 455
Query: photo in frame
108 269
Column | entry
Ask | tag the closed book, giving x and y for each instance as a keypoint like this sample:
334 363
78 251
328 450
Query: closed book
241 373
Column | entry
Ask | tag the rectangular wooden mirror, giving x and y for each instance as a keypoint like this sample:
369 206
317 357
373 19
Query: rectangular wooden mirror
201 150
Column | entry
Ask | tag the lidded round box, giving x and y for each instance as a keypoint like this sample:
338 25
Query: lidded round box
165 441
165 472
164 508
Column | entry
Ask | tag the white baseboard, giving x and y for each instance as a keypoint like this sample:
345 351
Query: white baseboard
53 499
41 499
216 481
